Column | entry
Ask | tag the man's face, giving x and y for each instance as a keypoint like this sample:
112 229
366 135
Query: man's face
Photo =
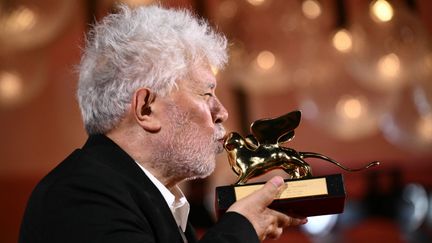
192 132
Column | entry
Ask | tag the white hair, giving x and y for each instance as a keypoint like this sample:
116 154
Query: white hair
149 47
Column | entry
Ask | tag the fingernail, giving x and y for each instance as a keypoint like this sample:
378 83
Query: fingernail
277 181
304 221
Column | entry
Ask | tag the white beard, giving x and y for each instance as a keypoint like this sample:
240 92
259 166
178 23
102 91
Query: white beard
183 151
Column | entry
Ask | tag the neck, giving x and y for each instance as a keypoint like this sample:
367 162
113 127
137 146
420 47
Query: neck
168 181
134 144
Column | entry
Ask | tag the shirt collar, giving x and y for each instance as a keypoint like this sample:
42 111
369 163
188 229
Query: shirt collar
180 207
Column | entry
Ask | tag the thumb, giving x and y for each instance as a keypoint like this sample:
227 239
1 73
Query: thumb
265 195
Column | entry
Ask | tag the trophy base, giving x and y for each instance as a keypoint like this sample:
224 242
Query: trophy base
301 198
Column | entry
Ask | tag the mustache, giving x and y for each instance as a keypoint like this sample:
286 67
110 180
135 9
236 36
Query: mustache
219 132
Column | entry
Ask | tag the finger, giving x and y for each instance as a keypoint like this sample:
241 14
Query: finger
284 220
276 222
273 232
298 221
265 195
294 222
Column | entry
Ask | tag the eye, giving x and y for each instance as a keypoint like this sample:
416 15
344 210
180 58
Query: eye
207 95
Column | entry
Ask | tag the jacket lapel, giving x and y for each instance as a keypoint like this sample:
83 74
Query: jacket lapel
157 212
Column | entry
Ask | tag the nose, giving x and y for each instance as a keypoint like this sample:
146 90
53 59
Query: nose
220 114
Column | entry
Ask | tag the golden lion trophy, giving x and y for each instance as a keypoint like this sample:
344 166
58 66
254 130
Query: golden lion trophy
262 152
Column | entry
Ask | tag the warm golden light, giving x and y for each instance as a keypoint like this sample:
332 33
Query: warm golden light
21 19
342 40
311 9
424 127
256 2
350 107
266 60
10 86
381 11
136 3
389 66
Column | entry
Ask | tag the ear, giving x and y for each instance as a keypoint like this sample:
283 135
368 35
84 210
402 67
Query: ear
143 100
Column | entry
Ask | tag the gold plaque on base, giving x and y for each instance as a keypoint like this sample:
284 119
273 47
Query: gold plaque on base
301 197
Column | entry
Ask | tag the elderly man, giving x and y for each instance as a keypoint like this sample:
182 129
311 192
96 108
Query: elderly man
147 96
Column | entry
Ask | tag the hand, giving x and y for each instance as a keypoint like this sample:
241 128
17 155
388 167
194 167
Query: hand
267 223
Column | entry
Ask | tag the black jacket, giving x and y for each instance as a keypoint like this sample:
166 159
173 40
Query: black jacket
99 194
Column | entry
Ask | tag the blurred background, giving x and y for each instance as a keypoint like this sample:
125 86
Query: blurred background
360 71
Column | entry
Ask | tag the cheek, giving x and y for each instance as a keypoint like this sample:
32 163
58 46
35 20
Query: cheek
201 115
197 110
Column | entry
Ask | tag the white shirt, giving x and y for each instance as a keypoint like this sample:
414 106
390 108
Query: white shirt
175 199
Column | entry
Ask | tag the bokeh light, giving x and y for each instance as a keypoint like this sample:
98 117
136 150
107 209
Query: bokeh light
381 11
342 41
29 24
387 56
11 86
20 19
389 66
22 77
256 2
266 60
311 9
136 3
333 100
351 107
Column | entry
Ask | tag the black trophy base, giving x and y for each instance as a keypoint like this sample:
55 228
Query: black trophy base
302 197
